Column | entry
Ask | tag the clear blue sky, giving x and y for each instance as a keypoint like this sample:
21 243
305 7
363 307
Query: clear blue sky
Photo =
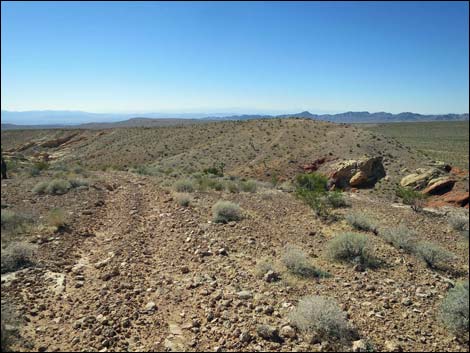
240 57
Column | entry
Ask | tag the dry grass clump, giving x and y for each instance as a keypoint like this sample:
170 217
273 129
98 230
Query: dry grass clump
401 238
434 256
226 211
16 256
323 317
184 186
361 222
183 199
56 218
353 248
297 263
454 309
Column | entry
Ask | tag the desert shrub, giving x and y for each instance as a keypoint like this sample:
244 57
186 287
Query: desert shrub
434 256
41 165
322 316
248 186
16 256
12 221
464 234
217 185
411 197
33 171
58 187
361 222
217 169
312 182
352 247
336 199
40 188
56 218
183 200
76 182
232 187
184 186
454 309
401 238
297 263
263 267
459 223
226 211
9 317
287 186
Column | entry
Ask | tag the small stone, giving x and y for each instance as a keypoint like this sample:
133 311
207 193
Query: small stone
150 306
245 294
288 332
269 333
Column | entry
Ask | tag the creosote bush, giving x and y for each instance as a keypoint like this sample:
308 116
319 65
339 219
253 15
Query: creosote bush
434 256
454 309
354 248
297 263
361 222
322 316
226 211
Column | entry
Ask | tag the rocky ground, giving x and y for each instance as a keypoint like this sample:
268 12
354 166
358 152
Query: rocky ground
133 271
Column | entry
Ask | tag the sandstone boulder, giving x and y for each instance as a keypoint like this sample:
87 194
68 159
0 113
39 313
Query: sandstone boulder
421 177
363 172
439 186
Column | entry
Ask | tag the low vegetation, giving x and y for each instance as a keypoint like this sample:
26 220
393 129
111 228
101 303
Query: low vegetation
401 238
454 309
226 211
353 248
16 256
58 186
434 256
411 197
459 223
361 222
14 222
56 218
183 200
312 189
184 186
322 316
297 263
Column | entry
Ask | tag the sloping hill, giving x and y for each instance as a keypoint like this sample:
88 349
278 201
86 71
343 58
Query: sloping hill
256 148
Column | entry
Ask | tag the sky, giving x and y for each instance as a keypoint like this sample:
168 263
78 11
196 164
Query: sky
235 57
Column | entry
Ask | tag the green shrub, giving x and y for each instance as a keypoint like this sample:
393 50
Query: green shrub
249 186
183 200
184 186
297 263
434 256
16 256
323 317
13 222
454 309
352 247
312 182
361 222
226 211
56 218
336 199
232 187
411 197
401 238
459 223
40 188
217 169
58 187
75 182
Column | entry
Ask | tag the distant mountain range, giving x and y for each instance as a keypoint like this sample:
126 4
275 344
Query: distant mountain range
58 119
